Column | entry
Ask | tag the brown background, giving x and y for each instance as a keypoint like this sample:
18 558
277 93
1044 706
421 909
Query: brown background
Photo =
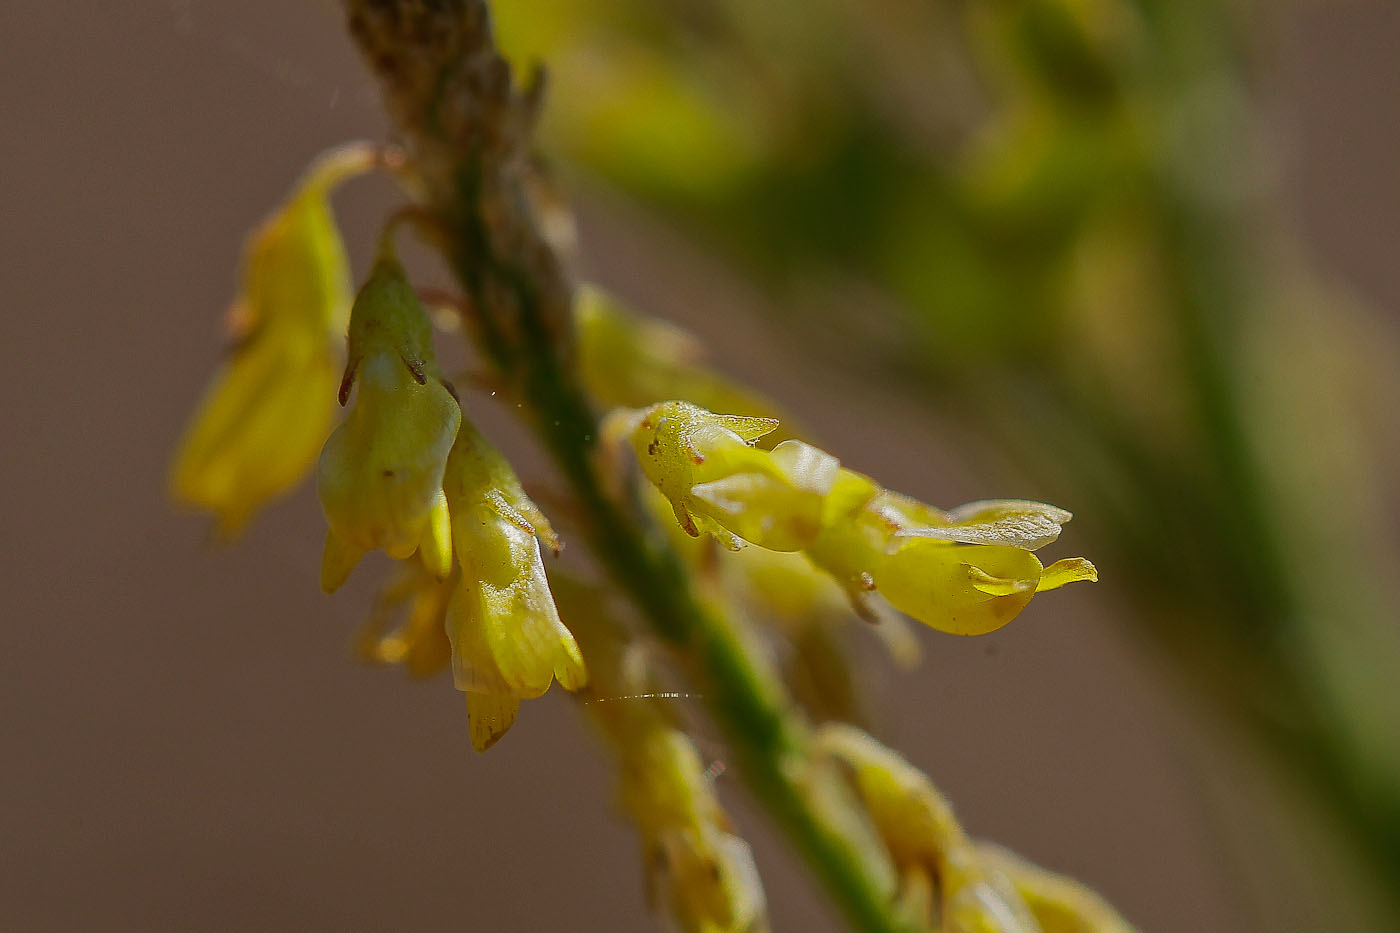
185 742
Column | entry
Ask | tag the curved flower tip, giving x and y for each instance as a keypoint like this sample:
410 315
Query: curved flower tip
968 571
268 411
380 473
969 589
719 483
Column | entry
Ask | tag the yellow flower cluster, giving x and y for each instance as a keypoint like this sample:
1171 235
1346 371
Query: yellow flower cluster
967 572
947 882
406 473
263 420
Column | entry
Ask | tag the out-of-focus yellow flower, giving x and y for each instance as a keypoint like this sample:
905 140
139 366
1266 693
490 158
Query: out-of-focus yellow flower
807 605
269 409
705 871
929 848
419 642
696 865
719 483
508 642
631 361
1060 904
380 473
968 572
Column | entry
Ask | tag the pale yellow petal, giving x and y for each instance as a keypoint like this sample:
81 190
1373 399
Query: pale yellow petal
1068 570
259 428
490 716
435 551
338 558
960 589
1006 522
1060 904
750 429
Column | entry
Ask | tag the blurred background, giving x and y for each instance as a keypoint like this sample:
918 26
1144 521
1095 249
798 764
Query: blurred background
1134 258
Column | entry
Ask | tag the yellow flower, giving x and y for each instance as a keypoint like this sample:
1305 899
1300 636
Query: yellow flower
967 572
632 361
419 642
695 864
508 642
270 408
705 872
1060 904
380 473
719 483
925 840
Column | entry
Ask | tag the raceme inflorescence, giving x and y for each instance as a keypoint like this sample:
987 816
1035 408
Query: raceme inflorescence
697 526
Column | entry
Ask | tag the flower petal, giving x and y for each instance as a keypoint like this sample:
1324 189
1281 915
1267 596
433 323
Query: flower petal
490 716
1068 570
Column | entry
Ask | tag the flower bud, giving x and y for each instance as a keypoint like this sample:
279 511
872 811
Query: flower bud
628 360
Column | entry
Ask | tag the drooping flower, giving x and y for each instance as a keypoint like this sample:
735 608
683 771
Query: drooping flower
508 642
269 409
380 473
